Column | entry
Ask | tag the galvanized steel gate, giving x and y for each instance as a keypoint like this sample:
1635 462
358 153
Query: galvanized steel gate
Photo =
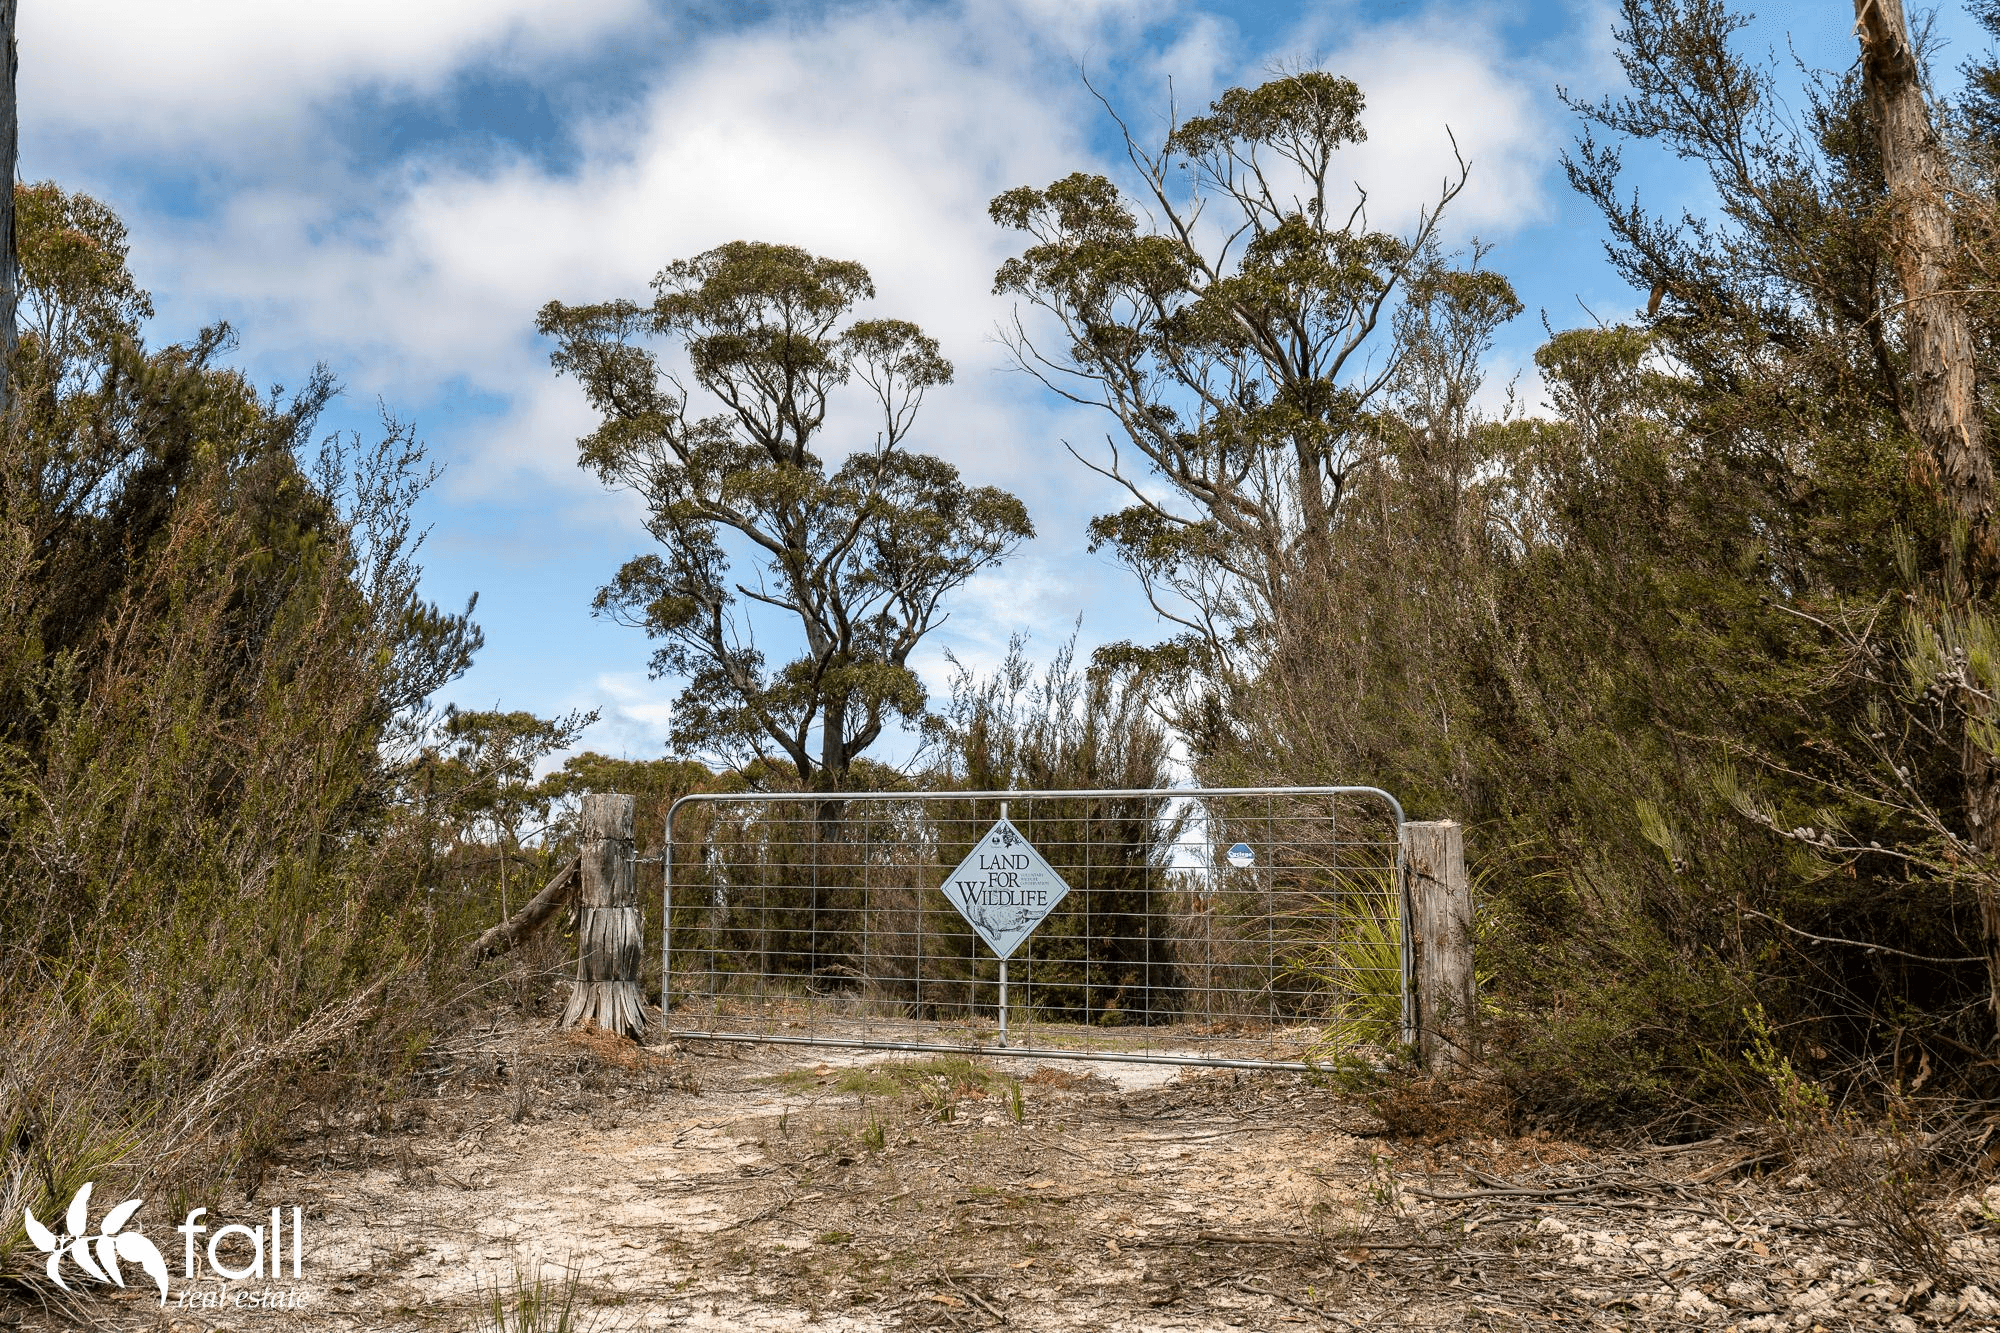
1243 927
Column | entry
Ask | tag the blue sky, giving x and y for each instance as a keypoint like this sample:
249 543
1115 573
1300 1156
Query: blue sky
394 188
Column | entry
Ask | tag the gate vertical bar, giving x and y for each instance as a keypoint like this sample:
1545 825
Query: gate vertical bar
1214 878
1407 945
867 968
666 916
1003 969
1090 1005
812 923
917 972
1267 866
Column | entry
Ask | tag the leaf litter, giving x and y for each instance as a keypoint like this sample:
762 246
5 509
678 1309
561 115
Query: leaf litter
713 1187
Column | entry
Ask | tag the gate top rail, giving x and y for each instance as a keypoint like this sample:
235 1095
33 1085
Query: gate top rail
1395 806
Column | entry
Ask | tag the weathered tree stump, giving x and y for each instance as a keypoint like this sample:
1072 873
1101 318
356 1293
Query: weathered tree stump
606 989
1441 932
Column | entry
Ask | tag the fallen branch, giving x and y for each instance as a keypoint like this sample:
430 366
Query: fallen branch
975 1298
525 922
1734 1165
1254 1238
1508 1193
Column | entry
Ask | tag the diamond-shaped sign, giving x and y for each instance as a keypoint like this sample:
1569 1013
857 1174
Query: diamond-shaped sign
1004 888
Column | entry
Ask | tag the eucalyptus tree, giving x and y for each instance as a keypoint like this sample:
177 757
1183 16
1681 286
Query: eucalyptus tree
1944 411
750 513
1245 328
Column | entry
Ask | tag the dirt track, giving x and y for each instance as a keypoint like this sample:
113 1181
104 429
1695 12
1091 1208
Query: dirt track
735 1188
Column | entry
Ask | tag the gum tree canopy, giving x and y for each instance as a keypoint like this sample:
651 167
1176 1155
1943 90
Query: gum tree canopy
1247 329
860 556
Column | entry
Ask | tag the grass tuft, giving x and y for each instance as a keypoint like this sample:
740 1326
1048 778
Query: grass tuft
532 1305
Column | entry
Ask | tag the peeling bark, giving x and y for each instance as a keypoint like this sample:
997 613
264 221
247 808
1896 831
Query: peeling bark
1941 398
10 156
606 989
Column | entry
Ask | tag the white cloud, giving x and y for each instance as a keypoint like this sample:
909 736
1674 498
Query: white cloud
1034 594
1201 61
876 132
634 714
1423 93
1430 78
154 72
880 138
1080 29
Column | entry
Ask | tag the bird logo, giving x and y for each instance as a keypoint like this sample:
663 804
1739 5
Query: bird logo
111 1243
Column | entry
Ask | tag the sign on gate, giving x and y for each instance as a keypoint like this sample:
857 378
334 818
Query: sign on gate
1004 888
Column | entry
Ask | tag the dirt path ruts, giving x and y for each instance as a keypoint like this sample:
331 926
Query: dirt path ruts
784 1188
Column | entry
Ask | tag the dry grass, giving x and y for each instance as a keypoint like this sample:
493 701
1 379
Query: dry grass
733 1187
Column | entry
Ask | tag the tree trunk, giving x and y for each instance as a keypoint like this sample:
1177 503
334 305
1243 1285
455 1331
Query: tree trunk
10 253
833 744
1942 388
1943 398
606 990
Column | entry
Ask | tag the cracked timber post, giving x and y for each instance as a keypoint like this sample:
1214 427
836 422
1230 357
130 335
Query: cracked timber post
606 989
1441 930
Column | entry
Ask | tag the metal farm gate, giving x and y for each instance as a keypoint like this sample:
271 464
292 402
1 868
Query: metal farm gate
1243 927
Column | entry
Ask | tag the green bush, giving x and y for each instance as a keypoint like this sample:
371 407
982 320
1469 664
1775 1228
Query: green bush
224 913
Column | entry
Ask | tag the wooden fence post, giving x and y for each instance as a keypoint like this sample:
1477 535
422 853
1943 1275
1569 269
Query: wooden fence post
1441 932
606 990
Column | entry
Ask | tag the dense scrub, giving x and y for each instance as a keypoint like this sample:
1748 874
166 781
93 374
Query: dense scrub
234 852
1699 649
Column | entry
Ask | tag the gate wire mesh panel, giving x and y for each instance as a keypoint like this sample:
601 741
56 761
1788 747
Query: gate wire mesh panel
1261 927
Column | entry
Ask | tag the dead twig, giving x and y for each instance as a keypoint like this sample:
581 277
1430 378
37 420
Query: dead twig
1509 1192
975 1298
1267 1238
760 1216
1244 1284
